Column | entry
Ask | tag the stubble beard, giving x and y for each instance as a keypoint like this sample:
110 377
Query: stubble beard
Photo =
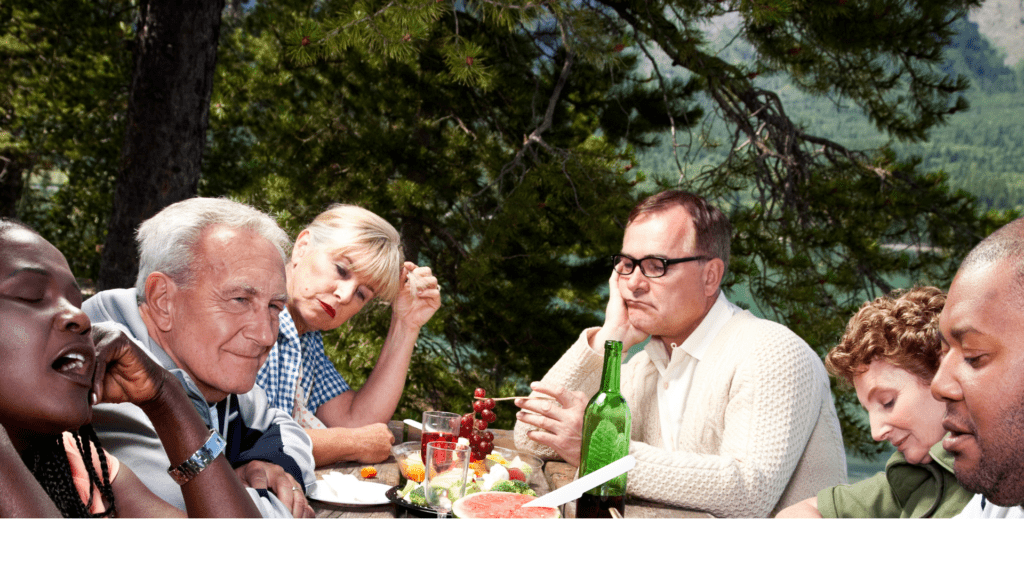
999 474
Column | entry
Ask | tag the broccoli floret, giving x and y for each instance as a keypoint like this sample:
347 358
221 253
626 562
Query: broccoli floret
504 486
513 486
521 487
439 493
417 497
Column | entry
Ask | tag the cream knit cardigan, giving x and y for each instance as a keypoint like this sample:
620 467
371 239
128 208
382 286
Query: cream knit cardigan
759 431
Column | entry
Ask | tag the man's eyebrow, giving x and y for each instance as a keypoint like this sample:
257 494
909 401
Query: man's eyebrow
251 290
29 270
247 288
958 334
645 256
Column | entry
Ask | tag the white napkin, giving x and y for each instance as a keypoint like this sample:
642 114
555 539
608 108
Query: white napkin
350 488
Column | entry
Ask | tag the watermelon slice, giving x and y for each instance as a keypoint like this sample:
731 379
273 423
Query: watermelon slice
500 505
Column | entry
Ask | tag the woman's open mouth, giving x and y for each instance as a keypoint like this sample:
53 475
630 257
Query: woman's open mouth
76 363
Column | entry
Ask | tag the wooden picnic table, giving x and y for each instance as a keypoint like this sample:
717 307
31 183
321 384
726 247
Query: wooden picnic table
556 474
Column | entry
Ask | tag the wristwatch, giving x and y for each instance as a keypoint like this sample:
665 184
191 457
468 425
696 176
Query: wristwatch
198 462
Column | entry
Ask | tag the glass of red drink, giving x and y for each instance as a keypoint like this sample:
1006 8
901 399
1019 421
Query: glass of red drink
439 427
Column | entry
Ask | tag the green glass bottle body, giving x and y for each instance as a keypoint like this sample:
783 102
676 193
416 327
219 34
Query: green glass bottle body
606 429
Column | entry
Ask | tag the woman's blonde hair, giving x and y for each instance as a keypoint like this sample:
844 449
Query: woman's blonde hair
372 244
901 328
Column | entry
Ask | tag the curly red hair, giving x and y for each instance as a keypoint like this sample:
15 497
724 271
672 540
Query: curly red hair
901 327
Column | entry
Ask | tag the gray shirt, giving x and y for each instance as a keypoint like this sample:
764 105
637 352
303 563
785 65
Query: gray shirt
252 428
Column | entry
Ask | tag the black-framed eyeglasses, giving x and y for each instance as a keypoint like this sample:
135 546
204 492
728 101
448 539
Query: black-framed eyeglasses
650 266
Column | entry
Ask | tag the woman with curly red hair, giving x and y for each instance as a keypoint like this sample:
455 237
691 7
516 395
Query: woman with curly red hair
889 354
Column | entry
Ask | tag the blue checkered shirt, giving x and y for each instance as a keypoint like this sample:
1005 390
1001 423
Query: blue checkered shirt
281 370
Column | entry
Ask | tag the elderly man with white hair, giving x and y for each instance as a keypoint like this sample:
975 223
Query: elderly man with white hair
210 287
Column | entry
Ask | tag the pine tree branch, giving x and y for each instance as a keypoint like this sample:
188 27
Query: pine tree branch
368 19
536 137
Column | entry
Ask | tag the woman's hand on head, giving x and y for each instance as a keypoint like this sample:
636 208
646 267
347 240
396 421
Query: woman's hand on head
419 297
124 372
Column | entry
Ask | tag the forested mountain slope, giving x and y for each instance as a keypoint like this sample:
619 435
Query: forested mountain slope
981 150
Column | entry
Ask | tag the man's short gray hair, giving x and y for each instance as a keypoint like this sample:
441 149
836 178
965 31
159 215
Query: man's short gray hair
167 241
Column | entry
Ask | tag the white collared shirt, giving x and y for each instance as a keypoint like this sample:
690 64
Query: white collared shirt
979 507
676 372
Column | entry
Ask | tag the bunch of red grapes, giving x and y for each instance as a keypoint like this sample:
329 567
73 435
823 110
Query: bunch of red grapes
481 440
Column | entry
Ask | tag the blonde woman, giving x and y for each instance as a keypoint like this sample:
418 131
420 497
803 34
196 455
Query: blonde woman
347 257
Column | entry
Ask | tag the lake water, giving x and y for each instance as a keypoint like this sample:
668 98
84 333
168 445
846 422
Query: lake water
858 468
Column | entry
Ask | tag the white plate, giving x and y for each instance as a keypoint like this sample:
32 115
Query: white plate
371 494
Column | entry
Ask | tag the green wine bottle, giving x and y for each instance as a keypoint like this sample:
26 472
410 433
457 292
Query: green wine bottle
606 427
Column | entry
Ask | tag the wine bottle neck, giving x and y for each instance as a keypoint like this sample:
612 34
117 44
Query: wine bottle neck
612 367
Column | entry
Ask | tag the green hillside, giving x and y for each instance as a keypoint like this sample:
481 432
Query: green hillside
981 150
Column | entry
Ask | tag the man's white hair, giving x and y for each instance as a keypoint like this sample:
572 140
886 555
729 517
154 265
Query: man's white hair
167 241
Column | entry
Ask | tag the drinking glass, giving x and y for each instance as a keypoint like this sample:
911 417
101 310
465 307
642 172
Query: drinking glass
439 427
447 467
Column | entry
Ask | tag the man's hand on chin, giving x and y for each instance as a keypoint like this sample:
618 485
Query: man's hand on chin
616 321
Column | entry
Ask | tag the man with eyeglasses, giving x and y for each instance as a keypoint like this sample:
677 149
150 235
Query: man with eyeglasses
732 414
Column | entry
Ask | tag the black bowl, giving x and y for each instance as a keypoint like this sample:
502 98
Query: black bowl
405 509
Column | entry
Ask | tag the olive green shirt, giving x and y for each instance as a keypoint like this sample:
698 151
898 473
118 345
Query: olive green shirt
904 490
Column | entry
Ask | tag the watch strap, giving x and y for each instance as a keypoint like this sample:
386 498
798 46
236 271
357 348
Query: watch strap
198 462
